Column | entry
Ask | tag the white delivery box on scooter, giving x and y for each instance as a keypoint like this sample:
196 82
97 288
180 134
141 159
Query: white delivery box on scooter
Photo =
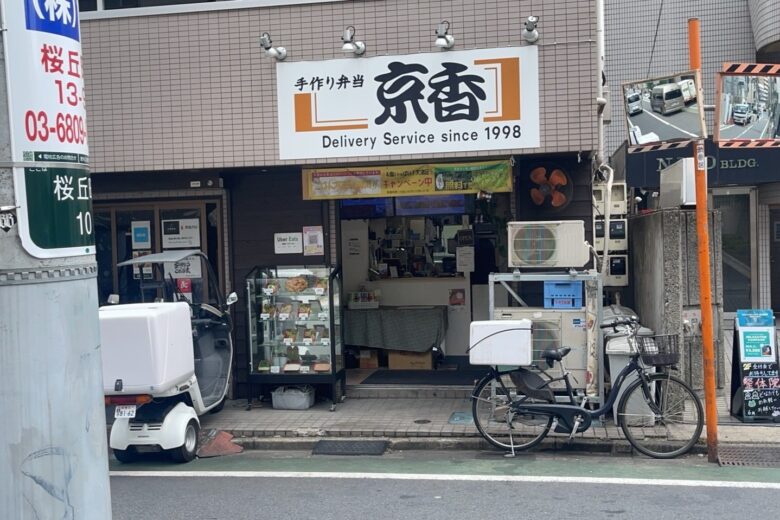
147 347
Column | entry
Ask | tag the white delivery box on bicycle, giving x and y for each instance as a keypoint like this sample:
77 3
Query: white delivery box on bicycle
501 342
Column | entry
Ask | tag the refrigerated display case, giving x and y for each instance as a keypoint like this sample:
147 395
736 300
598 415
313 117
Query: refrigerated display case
294 328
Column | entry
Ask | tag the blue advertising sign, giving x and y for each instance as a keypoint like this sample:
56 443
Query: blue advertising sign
59 17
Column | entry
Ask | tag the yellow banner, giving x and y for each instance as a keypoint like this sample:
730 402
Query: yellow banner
406 180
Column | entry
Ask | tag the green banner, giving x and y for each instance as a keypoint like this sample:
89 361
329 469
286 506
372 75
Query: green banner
59 207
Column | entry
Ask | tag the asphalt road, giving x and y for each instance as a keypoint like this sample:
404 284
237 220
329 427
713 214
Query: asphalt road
441 485
759 129
684 124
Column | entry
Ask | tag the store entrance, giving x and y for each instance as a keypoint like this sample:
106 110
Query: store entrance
409 265
128 230
774 254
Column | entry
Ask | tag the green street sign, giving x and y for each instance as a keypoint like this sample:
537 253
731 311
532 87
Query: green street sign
57 212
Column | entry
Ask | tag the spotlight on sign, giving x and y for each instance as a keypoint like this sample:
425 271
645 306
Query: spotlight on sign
279 53
350 45
530 34
444 40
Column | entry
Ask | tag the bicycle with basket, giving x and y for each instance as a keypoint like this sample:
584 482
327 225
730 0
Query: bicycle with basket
516 408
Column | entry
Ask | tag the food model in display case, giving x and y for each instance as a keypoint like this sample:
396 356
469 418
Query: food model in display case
294 325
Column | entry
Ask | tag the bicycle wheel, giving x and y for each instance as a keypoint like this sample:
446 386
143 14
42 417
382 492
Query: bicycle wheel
665 424
495 421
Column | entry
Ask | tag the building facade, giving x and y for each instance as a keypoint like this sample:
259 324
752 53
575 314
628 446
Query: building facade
184 116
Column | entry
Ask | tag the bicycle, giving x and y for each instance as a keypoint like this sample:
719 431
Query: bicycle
659 413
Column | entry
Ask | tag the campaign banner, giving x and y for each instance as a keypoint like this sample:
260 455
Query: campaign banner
406 180
458 101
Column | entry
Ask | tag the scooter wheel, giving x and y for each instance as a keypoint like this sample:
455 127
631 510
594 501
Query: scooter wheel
187 451
125 456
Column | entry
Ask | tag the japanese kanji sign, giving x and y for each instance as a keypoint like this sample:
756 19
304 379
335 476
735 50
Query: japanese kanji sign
406 180
759 377
485 99
48 127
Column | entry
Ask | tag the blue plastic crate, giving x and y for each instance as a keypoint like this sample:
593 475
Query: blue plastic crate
563 295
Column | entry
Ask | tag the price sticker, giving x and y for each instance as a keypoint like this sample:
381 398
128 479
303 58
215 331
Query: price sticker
288 341
284 316
265 316
319 291
305 369
307 341
275 369
269 291
303 315
325 341
322 316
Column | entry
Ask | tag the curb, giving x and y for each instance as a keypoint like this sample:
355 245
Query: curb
561 445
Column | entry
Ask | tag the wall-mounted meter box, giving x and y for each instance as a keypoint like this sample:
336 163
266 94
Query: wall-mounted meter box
619 203
617 271
618 235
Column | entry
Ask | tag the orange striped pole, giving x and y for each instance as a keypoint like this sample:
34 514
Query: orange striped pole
703 239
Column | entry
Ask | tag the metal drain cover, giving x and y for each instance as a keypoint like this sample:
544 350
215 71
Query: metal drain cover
761 456
325 447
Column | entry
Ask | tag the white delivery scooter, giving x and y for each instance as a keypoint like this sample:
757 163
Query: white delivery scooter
166 360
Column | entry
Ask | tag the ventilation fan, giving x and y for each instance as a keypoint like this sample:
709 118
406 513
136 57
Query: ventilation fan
553 188
548 244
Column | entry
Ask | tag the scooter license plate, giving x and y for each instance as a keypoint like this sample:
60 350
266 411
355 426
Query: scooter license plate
124 411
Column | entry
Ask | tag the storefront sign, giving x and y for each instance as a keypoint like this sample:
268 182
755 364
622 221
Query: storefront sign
187 268
288 243
313 241
407 180
485 99
757 373
141 234
181 233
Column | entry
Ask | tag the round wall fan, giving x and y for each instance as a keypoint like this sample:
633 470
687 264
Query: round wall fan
553 187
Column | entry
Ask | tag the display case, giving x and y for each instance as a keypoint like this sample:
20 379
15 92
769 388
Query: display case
294 328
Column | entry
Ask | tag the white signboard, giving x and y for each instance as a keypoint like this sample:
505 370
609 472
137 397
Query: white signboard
187 268
464 259
181 233
288 243
486 99
313 241
48 115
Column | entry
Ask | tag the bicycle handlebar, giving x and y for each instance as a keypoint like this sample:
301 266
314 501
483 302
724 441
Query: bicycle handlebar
631 320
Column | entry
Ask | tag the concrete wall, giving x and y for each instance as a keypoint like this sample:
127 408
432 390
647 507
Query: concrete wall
195 90
666 284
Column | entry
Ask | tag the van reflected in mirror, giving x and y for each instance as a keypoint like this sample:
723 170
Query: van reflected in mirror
663 109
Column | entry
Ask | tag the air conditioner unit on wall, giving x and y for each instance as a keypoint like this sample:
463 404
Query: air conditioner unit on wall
548 244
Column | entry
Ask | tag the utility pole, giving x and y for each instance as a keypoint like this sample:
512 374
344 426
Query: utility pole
703 240
53 453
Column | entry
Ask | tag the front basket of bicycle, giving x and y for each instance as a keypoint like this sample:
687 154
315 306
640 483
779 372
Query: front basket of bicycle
659 350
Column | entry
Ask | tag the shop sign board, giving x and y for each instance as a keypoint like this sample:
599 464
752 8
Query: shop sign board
406 180
313 241
48 127
187 268
759 374
141 234
288 243
181 233
458 101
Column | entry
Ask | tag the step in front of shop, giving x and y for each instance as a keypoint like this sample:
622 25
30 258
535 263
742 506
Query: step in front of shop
408 392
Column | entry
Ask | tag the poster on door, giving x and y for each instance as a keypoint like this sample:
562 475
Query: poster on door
181 233
141 235
756 335
313 241
186 268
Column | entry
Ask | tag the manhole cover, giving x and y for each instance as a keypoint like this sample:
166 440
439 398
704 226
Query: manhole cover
422 421
762 456
325 447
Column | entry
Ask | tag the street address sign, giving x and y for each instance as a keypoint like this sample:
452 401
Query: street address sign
48 127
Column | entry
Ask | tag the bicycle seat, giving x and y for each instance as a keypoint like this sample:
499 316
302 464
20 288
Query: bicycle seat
555 354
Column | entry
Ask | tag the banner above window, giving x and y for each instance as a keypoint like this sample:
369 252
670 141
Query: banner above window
406 180
486 99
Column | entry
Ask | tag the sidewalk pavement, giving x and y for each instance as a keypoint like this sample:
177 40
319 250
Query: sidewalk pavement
423 423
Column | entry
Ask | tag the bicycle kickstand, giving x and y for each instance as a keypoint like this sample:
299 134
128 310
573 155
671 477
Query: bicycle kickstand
509 418
576 427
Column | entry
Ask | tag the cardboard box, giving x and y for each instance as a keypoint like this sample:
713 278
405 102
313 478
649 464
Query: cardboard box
368 359
401 360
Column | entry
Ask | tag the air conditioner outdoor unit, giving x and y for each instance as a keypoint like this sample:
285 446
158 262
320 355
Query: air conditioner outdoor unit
548 244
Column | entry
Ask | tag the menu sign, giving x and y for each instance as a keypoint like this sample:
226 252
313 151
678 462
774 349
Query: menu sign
758 375
761 386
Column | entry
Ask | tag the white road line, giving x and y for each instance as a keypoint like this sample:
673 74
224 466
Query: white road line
670 124
464 478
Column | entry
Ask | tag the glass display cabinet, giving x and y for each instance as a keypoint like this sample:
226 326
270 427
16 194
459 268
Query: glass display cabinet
294 329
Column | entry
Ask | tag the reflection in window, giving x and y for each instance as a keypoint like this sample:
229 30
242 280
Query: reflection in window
735 237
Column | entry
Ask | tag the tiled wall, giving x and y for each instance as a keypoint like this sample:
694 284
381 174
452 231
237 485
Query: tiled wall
631 28
195 90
